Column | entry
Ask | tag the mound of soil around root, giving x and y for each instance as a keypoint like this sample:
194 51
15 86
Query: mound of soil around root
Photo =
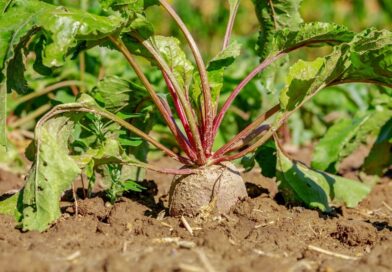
259 234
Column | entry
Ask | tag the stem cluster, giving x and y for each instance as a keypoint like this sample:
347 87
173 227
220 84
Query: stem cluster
199 130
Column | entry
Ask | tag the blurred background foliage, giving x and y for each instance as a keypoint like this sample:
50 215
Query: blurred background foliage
207 21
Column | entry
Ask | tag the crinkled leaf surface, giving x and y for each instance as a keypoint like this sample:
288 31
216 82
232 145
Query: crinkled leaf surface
63 28
302 185
175 57
301 77
51 174
287 32
130 5
367 58
315 33
370 57
274 15
114 93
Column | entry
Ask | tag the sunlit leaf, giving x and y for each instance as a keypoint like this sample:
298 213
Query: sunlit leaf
274 15
367 58
51 174
215 72
315 189
314 34
63 28
12 206
175 57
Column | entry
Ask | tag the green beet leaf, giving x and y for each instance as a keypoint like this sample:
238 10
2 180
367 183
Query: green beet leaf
274 15
114 94
3 115
12 205
379 159
63 28
315 33
330 148
52 173
315 189
266 158
226 57
370 58
215 72
170 50
216 67
365 59
301 77
128 6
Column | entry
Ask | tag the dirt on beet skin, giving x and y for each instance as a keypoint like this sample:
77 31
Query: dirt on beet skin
259 234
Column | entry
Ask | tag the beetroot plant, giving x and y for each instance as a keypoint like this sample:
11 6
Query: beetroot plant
105 129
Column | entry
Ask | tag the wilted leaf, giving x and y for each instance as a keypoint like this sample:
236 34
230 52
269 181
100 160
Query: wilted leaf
51 174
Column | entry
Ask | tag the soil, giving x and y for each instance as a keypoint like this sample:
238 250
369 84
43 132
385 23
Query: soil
258 234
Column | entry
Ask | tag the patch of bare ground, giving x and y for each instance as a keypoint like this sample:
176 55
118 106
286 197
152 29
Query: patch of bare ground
259 234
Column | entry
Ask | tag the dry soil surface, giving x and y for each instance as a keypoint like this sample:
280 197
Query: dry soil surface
259 234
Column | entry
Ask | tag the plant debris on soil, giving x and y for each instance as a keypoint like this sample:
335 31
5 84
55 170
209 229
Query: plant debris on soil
259 234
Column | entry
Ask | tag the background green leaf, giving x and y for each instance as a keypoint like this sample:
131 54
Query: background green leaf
345 136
